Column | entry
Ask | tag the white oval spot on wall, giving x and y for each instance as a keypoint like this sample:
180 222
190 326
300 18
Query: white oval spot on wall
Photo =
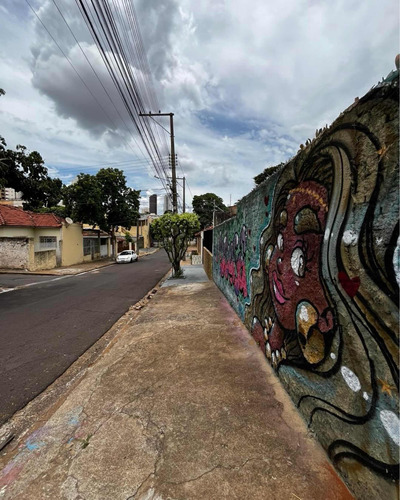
396 261
327 234
351 379
391 423
303 313
365 396
333 355
350 237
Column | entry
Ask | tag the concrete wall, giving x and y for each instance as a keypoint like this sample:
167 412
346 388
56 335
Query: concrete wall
14 252
207 262
311 264
43 260
72 245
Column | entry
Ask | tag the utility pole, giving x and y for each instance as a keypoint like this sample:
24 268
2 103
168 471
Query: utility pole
173 164
184 196
184 207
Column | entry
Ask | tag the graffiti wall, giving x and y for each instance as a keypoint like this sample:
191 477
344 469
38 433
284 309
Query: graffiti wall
311 265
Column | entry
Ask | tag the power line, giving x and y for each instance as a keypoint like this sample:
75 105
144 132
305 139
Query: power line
79 76
146 133
103 28
95 73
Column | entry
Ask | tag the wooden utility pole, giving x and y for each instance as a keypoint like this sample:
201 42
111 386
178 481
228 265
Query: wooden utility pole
184 192
184 207
173 163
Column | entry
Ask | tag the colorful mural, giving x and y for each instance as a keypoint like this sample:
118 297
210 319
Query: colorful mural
313 260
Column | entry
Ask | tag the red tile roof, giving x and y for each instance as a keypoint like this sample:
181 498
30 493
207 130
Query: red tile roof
15 216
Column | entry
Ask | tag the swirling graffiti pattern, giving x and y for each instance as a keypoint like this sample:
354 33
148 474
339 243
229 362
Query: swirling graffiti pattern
322 300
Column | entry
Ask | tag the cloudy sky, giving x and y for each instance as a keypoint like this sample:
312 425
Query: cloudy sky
247 82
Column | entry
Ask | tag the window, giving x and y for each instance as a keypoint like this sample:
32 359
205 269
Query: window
91 246
47 242
87 247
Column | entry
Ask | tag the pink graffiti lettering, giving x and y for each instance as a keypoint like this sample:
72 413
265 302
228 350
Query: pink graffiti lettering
235 274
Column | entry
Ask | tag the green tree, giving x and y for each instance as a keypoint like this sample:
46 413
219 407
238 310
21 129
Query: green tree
120 203
83 200
26 172
10 176
174 232
204 206
103 199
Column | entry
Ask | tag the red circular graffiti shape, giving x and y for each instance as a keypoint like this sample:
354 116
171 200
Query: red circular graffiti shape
295 263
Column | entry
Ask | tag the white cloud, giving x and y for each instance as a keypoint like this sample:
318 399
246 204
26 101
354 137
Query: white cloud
247 82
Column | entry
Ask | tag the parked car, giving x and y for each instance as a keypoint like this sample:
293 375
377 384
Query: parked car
127 256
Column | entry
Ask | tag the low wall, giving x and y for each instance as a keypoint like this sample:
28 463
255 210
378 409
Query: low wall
43 260
207 263
311 264
14 253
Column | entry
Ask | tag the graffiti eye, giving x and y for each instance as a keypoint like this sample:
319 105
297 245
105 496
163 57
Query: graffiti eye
298 262
279 241
268 254
283 218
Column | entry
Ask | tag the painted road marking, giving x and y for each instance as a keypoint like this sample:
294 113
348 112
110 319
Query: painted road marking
49 281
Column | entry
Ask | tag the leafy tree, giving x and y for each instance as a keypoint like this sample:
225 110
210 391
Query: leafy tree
58 210
204 206
10 175
26 172
267 172
120 203
174 232
103 199
128 237
83 200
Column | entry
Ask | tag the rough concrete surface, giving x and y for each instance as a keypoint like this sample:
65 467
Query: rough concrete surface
181 405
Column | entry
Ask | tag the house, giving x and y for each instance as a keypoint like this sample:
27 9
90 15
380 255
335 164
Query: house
34 241
96 243
141 231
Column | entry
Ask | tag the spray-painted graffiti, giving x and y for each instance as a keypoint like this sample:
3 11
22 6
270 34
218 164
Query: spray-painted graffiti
323 300
232 265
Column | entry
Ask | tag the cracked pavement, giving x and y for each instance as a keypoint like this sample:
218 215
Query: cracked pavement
181 405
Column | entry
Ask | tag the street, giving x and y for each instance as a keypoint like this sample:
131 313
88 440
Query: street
48 322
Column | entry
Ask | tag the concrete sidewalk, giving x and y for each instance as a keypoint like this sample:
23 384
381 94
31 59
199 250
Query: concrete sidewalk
181 405
76 268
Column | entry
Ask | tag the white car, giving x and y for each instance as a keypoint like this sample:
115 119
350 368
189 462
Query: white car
127 256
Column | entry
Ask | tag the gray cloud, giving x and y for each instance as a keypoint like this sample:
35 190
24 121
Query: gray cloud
272 74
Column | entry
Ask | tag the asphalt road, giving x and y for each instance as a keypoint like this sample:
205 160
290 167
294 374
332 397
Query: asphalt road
47 322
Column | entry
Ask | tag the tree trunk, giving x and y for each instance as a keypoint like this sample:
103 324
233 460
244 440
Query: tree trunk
114 253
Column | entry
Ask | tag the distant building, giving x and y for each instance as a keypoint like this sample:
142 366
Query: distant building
141 233
167 203
8 196
153 203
